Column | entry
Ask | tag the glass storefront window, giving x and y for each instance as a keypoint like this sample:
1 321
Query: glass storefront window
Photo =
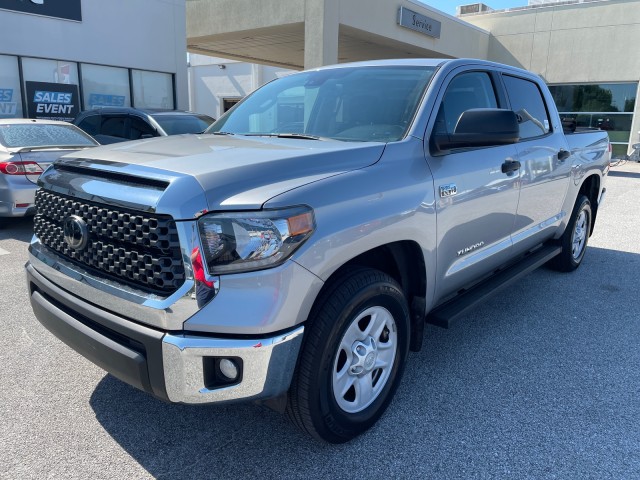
51 88
603 106
10 97
618 125
50 71
105 86
152 89
602 97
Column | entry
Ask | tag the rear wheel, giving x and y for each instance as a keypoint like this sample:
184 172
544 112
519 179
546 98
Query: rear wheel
352 358
575 237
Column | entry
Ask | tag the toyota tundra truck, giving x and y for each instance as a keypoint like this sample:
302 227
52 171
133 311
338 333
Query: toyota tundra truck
292 254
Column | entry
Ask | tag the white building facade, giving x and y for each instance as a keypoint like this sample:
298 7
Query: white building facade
60 57
216 84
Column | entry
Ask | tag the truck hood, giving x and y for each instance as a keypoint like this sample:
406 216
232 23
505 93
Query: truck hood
234 172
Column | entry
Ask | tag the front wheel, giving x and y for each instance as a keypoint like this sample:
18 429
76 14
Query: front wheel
575 237
352 358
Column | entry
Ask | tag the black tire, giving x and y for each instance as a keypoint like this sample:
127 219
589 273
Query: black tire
575 238
361 299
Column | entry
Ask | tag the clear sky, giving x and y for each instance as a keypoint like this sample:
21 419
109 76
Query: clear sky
448 6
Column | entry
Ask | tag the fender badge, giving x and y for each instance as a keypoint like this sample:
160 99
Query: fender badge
448 190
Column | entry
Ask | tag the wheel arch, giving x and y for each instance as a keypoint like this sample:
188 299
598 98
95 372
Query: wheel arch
590 187
405 263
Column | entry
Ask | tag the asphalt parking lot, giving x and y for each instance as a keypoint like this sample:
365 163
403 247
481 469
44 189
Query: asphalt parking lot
539 382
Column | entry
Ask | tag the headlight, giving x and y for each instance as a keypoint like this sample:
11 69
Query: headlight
245 241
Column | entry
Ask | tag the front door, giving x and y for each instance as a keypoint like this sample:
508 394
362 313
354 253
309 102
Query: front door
476 202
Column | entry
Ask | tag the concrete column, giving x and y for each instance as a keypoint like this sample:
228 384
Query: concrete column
257 77
191 87
321 24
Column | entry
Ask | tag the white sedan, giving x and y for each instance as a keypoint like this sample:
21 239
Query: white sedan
27 148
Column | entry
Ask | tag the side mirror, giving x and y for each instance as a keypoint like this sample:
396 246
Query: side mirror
480 127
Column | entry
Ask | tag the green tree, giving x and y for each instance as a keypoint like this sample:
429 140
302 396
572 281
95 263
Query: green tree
592 98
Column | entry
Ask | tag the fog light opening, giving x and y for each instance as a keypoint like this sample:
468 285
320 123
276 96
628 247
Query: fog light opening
221 372
229 369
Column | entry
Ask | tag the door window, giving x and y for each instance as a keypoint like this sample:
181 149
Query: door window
466 91
526 100
114 126
140 128
91 124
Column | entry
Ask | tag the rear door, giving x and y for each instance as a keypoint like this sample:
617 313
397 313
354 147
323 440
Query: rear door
475 201
545 164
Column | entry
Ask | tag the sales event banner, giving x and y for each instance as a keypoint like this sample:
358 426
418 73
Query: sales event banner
67 9
53 101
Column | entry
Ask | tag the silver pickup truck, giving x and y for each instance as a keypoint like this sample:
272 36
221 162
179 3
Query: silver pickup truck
293 253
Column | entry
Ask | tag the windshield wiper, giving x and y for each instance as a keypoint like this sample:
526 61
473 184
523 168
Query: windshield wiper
220 133
303 136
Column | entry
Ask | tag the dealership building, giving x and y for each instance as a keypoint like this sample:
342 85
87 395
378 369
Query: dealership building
584 50
59 57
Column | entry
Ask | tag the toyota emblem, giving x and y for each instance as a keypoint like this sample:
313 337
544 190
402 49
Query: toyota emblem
76 233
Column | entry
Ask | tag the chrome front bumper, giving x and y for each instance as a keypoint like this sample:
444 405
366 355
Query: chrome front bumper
267 366
172 366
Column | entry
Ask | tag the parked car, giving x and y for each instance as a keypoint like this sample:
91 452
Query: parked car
120 124
27 148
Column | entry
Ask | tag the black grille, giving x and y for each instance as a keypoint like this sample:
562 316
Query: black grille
136 248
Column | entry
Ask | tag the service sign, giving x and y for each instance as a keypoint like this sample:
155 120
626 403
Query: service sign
67 9
418 22
53 101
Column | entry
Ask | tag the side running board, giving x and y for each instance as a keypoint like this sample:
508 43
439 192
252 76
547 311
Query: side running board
445 314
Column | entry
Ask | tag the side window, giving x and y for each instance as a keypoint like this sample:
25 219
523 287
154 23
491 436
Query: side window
114 126
140 127
466 91
526 100
91 124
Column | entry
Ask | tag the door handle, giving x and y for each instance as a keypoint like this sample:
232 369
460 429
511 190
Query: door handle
563 155
510 166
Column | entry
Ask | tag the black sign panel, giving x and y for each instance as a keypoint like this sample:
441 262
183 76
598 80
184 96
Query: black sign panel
67 9
55 101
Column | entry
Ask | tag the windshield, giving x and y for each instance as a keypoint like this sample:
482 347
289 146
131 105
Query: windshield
351 103
43 135
177 124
